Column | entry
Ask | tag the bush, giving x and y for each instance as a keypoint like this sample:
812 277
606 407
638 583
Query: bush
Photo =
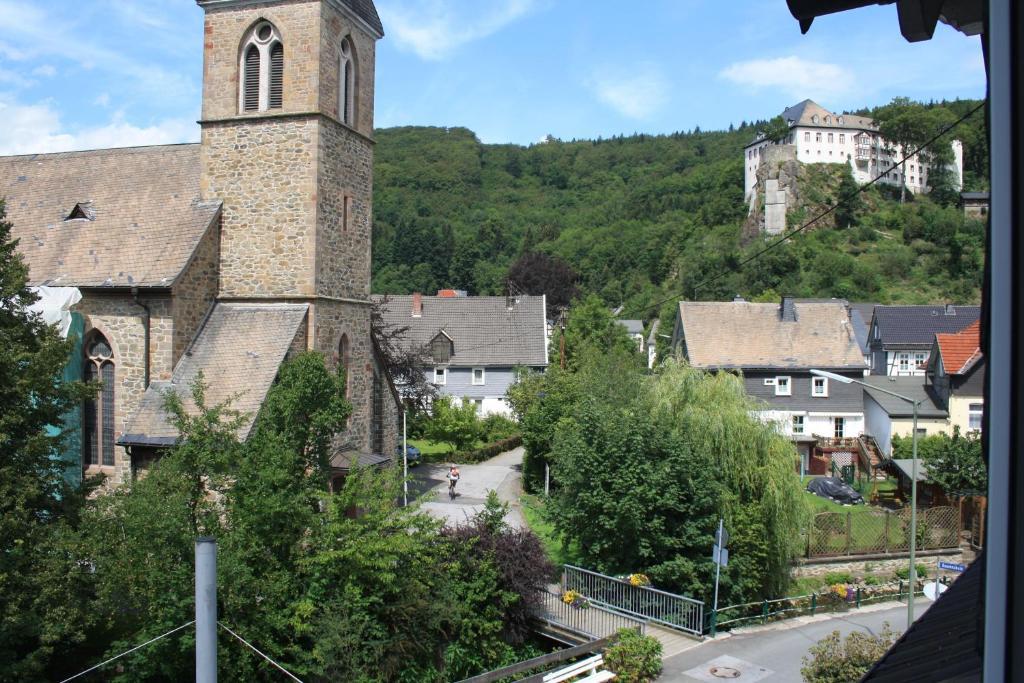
903 573
488 451
634 658
872 580
833 578
833 660
497 427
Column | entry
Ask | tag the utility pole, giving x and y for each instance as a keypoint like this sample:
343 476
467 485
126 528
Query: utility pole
405 460
561 340
206 610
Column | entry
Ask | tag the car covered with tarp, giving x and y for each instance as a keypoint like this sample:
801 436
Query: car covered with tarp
836 490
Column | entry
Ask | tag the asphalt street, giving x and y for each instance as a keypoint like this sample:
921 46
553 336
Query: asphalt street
775 652
500 473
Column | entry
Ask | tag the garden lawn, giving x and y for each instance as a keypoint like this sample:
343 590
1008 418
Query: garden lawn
867 526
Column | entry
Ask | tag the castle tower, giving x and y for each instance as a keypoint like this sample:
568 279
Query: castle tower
287 124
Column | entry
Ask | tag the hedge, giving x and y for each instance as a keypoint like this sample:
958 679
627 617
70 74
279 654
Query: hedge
487 451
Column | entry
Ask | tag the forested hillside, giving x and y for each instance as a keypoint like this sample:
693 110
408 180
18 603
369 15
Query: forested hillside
645 218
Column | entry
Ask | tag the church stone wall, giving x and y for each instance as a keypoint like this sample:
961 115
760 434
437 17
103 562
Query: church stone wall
224 30
335 27
343 252
194 292
122 322
265 176
331 320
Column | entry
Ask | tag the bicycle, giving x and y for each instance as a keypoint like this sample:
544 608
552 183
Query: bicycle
451 489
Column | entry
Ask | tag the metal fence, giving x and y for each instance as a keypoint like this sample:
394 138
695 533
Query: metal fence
587 619
869 531
675 611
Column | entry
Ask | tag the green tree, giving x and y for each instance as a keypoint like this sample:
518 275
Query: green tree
591 327
849 199
954 462
776 129
36 507
454 424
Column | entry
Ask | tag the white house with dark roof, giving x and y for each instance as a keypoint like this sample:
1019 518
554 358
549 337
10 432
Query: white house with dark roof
901 337
473 345
774 347
824 137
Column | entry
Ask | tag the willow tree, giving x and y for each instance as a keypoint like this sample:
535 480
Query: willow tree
644 475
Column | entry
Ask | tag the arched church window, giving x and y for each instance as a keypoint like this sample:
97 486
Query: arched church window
261 67
98 423
347 83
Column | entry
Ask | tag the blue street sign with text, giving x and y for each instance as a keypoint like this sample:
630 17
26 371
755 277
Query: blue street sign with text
951 566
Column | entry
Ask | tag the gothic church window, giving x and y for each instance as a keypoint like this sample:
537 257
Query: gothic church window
98 419
261 67
347 84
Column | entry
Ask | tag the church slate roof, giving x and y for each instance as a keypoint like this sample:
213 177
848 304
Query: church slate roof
485 332
368 13
739 334
239 351
143 220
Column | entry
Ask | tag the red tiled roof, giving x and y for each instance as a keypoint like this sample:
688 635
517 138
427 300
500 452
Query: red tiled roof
960 350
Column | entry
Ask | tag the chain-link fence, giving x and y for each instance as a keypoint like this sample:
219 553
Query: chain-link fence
869 531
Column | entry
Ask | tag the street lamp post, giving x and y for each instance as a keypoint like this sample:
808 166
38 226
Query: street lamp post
913 478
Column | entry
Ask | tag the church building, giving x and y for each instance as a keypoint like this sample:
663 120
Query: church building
228 256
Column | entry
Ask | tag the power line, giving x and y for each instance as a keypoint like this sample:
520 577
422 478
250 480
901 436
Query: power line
253 648
128 652
840 202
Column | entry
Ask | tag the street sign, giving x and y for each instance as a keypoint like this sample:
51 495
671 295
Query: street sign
722 537
952 566
720 555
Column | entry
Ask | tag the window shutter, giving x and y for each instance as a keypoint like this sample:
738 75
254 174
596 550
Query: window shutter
276 76
251 84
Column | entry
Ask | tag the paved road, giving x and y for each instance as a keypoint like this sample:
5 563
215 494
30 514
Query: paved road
501 473
774 652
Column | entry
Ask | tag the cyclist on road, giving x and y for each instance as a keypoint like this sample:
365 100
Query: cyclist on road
453 477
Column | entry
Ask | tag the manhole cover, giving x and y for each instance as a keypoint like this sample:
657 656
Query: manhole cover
724 672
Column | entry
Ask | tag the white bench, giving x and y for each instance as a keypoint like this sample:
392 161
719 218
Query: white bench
588 666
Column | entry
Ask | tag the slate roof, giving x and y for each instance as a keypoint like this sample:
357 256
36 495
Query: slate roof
911 387
916 326
945 643
740 334
239 351
801 114
961 350
484 331
632 326
368 13
145 222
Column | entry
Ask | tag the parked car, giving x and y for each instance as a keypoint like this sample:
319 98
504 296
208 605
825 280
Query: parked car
412 454
835 490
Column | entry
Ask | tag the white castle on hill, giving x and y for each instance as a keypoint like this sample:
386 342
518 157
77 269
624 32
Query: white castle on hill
821 137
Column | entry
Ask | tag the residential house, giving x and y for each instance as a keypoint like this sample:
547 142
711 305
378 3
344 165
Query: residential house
652 345
473 345
886 416
635 328
775 347
902 336
974 204
819 136
956 373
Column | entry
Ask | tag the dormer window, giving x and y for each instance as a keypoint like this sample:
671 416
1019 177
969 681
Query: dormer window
261 70
347 84
81 211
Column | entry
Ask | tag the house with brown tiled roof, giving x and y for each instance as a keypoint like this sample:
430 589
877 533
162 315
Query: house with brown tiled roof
956 373
774 347
229 256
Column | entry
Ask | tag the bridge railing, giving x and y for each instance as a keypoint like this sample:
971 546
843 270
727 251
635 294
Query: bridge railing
675 611
593 621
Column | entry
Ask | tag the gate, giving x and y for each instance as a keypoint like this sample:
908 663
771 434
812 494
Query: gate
675 611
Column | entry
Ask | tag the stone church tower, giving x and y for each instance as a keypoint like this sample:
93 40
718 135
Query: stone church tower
287 147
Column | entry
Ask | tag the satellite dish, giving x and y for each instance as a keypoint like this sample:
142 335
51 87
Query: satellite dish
934 589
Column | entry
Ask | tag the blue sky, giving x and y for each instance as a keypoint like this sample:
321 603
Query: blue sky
100 73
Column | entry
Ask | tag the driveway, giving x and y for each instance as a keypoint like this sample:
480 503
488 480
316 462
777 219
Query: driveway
775 652
501 473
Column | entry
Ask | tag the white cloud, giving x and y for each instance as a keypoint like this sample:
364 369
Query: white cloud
36 128
798 77
637 93
434 29
45 70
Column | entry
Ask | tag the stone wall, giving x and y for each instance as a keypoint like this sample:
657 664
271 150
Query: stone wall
343 247
331 319
334 28
195 291
877 567
122 322
265 174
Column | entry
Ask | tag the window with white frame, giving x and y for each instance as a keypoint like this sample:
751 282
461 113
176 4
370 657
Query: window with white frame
440 376
478 376
817 137
830 138
479 403
903 362
842 139
819 387
974 414
783 387
261 69
807 136
798 424
839 427
920 359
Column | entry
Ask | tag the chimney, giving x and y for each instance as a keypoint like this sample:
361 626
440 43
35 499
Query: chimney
417 305
950 310
738 299
787 310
